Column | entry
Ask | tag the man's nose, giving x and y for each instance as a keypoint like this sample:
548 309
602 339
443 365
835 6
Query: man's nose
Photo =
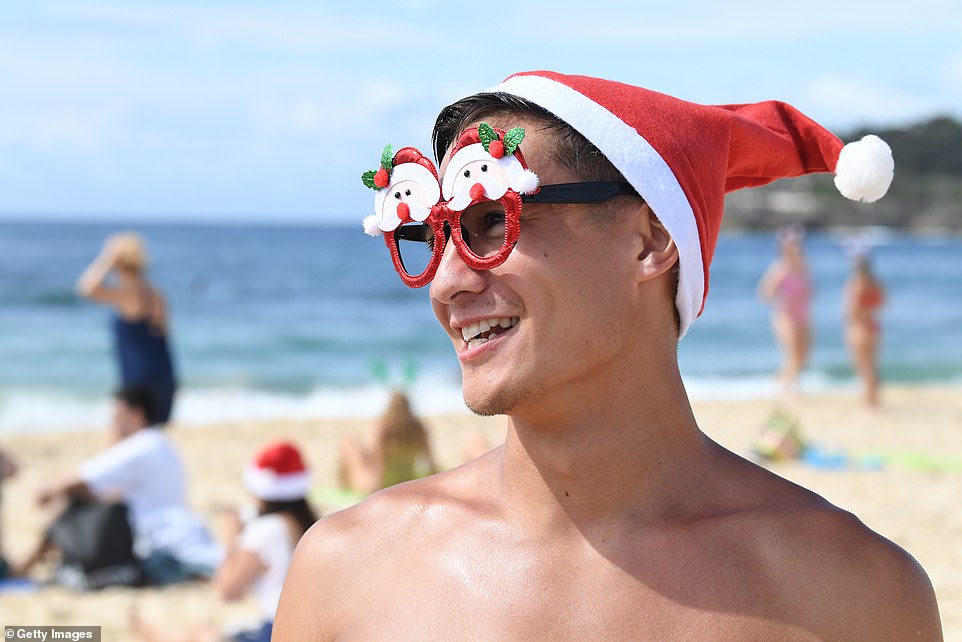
454 275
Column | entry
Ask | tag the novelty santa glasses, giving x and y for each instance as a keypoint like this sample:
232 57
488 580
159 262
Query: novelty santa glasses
478 204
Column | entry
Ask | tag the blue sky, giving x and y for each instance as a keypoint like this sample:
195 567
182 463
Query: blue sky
258 112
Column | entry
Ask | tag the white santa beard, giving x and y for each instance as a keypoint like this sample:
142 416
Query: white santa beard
462 199
390 219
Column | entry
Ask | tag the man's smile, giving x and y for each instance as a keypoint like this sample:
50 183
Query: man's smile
481 331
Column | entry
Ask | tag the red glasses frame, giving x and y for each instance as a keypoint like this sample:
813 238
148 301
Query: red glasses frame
445 222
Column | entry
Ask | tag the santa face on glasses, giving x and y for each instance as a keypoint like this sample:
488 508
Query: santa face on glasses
484 172
406 189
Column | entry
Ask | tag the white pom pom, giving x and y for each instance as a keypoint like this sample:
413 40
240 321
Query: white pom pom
370 226
865 169
525 182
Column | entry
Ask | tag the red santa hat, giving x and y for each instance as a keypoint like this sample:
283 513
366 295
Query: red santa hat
682 157
277 473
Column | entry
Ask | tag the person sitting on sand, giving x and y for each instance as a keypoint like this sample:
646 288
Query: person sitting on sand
259 548
142 469
397 451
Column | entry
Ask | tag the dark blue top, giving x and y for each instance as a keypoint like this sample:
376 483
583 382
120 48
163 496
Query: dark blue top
145 360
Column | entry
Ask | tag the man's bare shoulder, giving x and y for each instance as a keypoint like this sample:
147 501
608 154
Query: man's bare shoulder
823 564
402 517
418 505
380 543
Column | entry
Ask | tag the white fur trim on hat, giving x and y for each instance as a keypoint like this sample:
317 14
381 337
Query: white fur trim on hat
269 486
640 164
865 169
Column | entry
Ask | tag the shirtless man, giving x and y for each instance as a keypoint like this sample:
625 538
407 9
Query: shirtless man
607 513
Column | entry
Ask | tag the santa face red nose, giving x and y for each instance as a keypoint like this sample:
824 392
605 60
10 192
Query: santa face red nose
404 212
477 192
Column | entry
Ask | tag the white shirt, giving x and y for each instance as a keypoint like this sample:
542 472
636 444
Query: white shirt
144 471
268 537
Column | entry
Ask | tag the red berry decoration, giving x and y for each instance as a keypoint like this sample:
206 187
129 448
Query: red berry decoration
382 178
496 148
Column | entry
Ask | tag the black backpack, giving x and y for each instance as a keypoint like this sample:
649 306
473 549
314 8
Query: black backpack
96 545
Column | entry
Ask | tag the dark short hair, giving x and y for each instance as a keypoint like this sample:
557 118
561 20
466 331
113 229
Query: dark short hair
139 398
572 150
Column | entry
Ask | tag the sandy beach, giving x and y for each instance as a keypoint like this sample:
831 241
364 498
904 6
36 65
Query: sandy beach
898 468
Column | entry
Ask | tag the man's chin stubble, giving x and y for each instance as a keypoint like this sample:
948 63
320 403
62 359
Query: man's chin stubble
501 404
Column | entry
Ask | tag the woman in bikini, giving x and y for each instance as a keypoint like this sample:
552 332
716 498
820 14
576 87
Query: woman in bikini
396 451
139 325
788 286
864 296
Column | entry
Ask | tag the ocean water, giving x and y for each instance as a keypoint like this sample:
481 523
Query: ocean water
273 322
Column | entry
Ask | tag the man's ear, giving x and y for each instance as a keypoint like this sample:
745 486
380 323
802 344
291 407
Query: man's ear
657 252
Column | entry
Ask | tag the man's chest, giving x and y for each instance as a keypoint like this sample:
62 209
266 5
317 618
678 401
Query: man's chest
462 598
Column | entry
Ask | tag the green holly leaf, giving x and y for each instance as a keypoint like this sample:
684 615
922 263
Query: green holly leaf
368 179
512 139
387 158
486 134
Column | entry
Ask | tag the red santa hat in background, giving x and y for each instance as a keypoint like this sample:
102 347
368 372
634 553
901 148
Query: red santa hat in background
682 157
277 473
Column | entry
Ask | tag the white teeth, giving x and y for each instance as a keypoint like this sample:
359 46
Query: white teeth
472 333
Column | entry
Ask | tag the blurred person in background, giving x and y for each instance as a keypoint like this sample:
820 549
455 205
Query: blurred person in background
140 322
260 541
142 470
788 286
863 297
396 451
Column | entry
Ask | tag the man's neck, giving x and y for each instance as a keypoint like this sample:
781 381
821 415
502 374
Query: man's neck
637 453
118 437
